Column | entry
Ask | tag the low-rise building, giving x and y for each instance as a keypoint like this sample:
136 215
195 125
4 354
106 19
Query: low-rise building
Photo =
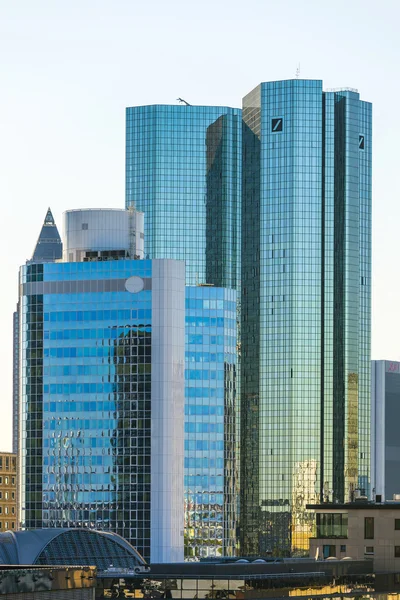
8 491
42 583
358 530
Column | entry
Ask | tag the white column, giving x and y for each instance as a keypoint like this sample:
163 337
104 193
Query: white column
167 410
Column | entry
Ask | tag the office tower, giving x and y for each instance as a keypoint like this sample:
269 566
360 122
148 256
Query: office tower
210 423
15 381
102 386
385 445
48 246
183 170
8 492
305 333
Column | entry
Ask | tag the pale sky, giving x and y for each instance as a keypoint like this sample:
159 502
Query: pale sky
69 69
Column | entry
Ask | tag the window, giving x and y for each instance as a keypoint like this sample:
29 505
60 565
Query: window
6 480
6 525
13 525
13 510
369 528
397 577
6 510
6 495
342 548
12 495
397 551
329 550
369 550
397 524
13 480
332 525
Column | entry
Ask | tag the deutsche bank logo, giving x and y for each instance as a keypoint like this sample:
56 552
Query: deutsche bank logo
276 125
361 142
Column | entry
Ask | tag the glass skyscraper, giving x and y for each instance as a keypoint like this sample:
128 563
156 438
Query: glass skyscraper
306 287
102 388
183 170
210 422
112 436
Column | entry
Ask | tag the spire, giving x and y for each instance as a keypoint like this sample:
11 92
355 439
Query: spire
49 219
48 246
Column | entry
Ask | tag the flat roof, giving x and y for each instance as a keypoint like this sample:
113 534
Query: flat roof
355 506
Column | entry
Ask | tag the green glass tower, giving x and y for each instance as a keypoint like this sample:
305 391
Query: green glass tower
305 333
183 170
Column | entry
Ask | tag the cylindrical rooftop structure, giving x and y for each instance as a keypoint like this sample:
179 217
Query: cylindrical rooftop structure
102 234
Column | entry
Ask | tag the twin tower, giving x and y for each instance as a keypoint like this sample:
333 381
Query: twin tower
270 208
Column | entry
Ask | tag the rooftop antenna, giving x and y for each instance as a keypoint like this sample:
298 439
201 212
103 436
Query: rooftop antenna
182 101
298 71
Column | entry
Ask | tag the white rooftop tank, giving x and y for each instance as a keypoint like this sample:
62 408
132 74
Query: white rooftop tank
110 232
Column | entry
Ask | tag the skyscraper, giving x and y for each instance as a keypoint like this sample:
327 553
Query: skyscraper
183 170
102 386
107 423
385 444
305 334
210 422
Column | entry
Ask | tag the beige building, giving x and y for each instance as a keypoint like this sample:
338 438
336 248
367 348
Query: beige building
358 530
8 492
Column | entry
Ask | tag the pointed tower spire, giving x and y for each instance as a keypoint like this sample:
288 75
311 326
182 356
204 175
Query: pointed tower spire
48 246
49 219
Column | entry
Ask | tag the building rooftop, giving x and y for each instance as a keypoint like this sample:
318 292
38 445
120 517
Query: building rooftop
358 505
60 546
48 246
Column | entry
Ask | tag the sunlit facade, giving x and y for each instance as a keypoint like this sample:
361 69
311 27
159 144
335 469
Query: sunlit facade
183 170
306 286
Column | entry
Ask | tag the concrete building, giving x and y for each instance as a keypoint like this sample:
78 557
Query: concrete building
8 492
385 440
358 530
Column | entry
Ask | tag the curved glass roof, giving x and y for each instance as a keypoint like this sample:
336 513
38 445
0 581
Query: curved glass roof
68 547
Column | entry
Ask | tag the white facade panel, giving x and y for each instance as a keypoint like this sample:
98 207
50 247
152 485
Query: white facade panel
100 230
167 408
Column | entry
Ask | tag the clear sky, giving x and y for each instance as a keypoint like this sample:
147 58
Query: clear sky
69 69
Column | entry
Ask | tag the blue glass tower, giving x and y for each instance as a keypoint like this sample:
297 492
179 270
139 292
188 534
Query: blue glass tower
210 422
102 388
112 437
306 287
183 170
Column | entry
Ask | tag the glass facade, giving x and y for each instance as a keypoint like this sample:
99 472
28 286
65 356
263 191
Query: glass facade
183 170
87 398
210 393
305 333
